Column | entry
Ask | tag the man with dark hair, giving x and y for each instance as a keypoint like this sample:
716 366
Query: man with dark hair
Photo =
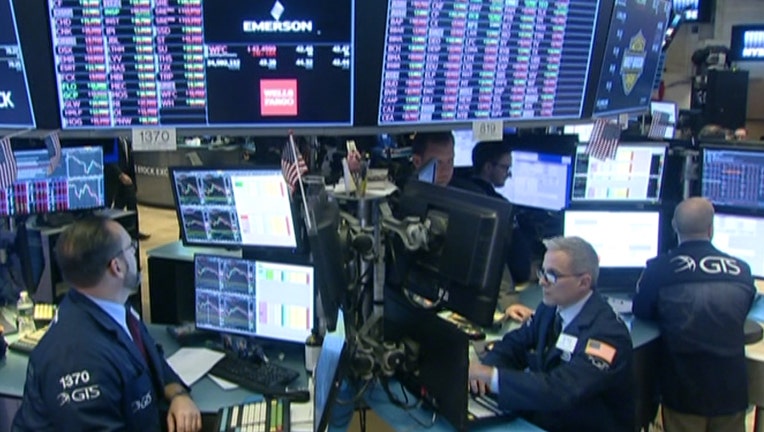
97 367
700 297
427 146
569 367
491 164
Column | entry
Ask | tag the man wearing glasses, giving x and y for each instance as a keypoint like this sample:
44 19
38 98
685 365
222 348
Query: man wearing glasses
569 367
97 367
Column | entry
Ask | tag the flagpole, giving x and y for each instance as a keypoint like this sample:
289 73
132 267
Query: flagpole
299 179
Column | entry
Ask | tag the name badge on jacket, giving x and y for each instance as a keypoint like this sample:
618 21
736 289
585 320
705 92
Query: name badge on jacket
566 343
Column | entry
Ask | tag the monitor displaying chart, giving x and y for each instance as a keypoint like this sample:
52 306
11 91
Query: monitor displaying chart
196 63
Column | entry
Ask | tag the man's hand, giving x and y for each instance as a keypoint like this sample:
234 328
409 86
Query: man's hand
479 378
125 179
518 312
183 415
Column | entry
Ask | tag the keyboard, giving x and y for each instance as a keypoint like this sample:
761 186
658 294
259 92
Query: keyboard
264 378
28 342
264 416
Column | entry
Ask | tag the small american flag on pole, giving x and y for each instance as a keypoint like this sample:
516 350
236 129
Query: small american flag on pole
53 144
659 125
8 169
604 140
292 167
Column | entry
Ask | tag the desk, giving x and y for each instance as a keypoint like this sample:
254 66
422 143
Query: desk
171 278
208 396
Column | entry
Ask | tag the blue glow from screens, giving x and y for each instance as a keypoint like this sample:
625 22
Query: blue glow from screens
539 180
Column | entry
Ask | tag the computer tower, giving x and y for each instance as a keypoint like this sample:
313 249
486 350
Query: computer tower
726 98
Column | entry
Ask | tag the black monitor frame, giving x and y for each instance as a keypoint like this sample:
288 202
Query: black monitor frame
328 381
737 42
467 286
729 146
248 250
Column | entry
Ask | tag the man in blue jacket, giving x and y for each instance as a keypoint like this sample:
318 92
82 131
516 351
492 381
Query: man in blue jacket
700 298
569 367
97 367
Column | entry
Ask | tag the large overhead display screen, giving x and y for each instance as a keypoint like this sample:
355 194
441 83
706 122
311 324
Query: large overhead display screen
198 63
461 60
15 105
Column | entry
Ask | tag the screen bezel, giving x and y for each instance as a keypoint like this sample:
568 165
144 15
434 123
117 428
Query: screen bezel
736 42
248 249
303 263
733 213
727 146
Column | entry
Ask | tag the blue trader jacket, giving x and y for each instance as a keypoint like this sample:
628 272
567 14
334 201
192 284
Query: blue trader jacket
87 374
700 297
588 386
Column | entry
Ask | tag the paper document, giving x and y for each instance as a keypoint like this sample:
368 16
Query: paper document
193 363
225 385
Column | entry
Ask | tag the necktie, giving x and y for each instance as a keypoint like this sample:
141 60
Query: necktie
554 331
135 332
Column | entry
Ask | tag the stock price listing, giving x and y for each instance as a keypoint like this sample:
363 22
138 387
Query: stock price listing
461 60
15 105
133 63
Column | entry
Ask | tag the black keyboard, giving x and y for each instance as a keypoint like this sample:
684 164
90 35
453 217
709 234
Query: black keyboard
264 378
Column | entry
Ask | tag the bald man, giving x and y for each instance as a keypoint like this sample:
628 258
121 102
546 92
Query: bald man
700 297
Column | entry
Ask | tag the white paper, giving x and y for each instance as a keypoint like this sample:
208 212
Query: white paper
193 363
225 385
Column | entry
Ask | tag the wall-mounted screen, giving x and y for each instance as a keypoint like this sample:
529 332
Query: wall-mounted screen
15 103
747 43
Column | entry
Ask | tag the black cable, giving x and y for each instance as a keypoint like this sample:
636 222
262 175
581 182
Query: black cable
359 394
394 399
362 419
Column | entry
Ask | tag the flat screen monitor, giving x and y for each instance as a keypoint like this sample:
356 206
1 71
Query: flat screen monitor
693 10
463 145
584 131
462 266
747 43
622 239
77 183
632 54
254 298
635 175
733 177
331 368
236 63
539 180
669 108
234 207
742 237
456 61
15 103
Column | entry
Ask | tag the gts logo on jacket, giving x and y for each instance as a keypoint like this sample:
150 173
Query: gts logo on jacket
710 265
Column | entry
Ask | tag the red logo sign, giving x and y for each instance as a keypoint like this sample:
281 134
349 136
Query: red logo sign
278 97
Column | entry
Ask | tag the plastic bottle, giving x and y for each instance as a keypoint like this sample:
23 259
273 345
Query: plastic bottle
312 350
25 311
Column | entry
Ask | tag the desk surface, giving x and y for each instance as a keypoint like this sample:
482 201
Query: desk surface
176 251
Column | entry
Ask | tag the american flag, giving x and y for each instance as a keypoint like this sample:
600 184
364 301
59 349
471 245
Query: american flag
659 125
8 169
292 169
54 151
603 142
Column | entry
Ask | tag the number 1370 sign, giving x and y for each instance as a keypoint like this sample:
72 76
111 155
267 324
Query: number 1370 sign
154 139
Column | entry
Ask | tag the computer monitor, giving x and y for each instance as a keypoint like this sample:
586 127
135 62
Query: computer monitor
77 183
747 42
15 102
461 62
463 145
632 51
635 175
235 207
622 239
539 180
693 10
669 108
732 177
331 368
236 63
461 267
743 237
584 131
262 299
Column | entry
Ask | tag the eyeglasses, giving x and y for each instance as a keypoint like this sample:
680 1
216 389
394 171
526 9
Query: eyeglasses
133 245
551 277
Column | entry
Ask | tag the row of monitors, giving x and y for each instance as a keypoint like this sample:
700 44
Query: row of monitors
291 63
627 239
551 181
